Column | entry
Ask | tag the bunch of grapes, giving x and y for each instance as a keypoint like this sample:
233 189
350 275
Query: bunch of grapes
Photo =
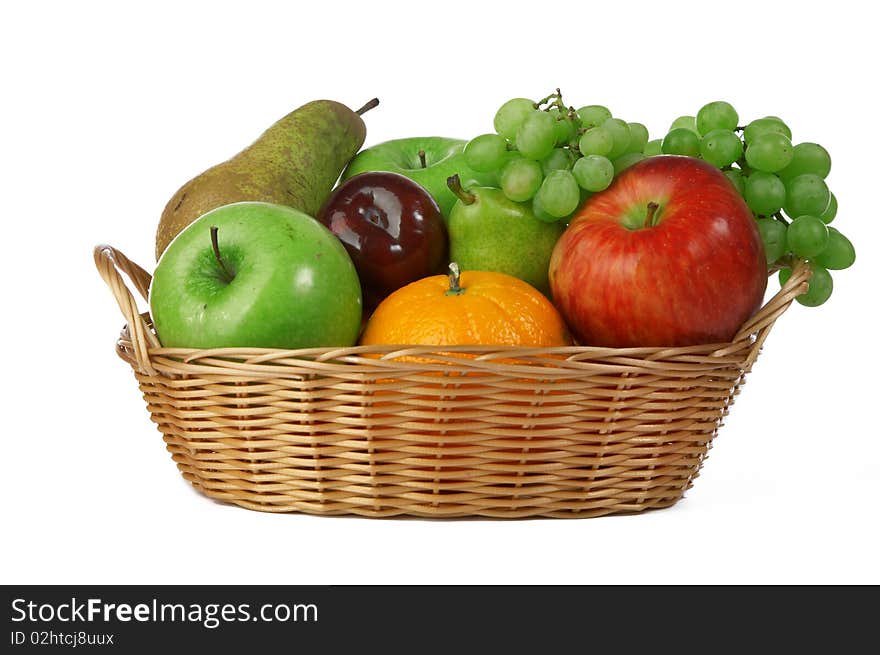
783 184
554 155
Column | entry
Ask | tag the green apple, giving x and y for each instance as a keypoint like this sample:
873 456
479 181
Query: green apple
255 274
489 232
442 157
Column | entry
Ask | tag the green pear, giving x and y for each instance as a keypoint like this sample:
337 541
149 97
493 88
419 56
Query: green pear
295 162
489 232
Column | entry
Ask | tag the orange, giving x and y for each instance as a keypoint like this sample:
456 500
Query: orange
471 308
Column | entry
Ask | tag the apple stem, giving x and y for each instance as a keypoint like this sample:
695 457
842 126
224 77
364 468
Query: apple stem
367 107
454 280
422 159
652 210
227 275
454 184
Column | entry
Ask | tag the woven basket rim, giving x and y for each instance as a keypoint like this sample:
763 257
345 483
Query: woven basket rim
139 345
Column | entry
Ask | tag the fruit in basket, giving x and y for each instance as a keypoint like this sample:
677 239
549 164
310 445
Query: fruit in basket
553 156
295 162
489 232
783 184
668 255
467 308
255 274
392 229
426 160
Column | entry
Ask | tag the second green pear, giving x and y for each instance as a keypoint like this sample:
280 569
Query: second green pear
489 232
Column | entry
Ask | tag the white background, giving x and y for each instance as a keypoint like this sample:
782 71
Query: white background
107 109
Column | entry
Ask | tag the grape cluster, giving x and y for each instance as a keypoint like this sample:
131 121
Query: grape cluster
553 155
783 185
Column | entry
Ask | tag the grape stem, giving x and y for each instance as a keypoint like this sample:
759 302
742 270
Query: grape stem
226 274
422 159
555 97
650 214
779 217
544 100
454 184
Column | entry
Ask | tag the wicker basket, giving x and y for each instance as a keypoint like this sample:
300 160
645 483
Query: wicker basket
384 431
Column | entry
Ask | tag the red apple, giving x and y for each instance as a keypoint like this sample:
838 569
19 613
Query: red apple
392 229
668 255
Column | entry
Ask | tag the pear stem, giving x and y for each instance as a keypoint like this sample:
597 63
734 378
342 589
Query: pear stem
454 280
652 209
422 159
227 275
454 184
367 107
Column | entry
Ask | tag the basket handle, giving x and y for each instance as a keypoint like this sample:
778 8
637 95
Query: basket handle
761 323
110 262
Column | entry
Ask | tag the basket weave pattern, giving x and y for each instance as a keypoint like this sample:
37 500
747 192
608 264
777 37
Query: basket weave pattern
471 431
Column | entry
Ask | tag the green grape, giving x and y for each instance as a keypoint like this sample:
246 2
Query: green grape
593 172
536 137
773 235
764 125
838 254
721 148
540 213
807 158
619 131
819 289
769 152
718 115
831 211
486 152
559 194
638 137
686 123
566 130
521 178
626 160
559 159
596 141
736 178
806 194
764 193
653 148
511 115
593 115
681 141
807 236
